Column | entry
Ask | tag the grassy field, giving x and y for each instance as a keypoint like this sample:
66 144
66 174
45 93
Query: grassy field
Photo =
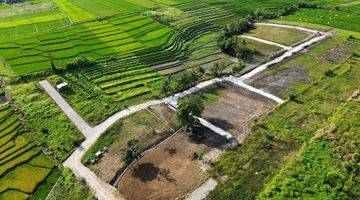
23 166
284 36
263 168
346 18
317 165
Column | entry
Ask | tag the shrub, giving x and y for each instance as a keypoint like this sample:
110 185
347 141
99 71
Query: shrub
133 151
239 67
237 28
198 155
217 70
81 62
236 47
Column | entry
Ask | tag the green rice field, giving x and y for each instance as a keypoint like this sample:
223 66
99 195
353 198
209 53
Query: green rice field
23 166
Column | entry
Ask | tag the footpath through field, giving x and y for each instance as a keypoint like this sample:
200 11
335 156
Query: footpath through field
105 191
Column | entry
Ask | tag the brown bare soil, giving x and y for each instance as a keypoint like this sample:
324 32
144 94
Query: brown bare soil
170 170
235 109
280 81
149 127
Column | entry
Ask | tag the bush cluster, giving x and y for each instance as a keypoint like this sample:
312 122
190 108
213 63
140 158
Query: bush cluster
261 14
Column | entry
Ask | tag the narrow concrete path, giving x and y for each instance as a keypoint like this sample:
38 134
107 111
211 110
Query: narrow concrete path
238 82
204 190
105 191
266 42
77 120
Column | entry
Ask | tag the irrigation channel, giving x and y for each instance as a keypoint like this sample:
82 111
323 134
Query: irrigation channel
105 191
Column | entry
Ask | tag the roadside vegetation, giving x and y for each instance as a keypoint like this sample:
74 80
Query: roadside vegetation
291 130
68 187
52 130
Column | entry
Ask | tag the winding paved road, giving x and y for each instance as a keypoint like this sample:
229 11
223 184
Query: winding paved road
105 191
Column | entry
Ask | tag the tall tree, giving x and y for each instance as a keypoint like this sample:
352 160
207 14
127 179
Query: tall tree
187 110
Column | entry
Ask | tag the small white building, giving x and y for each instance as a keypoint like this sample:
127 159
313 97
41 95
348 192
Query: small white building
62 86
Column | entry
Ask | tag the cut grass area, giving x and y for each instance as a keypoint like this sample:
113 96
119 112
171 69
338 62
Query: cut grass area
281 134
51 128
281 35
264 51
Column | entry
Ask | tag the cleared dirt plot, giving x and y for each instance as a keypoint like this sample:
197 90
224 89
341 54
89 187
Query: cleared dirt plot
281 35
170 171
233 108
278 81
148 127
281 80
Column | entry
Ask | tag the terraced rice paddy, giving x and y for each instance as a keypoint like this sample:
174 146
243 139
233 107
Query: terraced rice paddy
28 27
96 39
209 13
22 165
126 79
109 7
